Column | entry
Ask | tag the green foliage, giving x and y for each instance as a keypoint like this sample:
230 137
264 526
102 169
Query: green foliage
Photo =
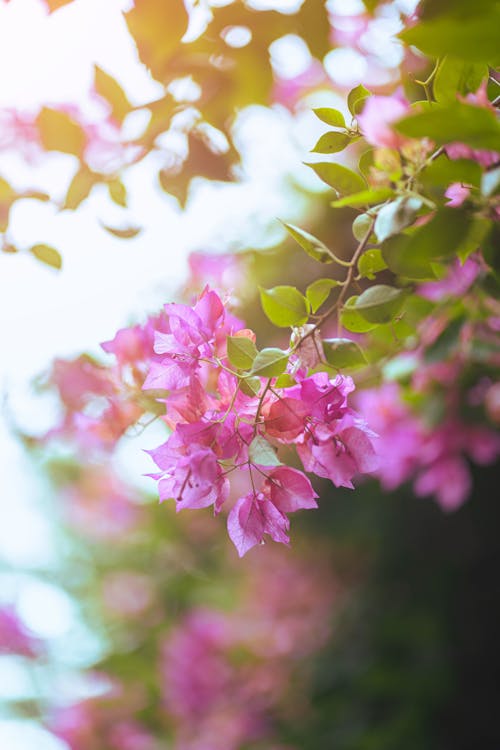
80 187
330 116
285 306
356 99
458 121
380 303
352 320
364 198
270 362
318 292
474 39
308 242
370 263
241 352
343 180
343 353
455 76
331 143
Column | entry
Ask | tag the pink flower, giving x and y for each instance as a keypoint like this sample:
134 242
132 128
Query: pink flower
14 636
253 516
459 279
377 116
457 194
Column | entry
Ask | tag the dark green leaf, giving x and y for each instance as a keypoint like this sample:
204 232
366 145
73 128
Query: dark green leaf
402 261
319 290
331 142
330 116
284 306
475 40
458 121
441 236
241 352
313 247
380 303
343 353
456 76
443 171
352 320
341 179
270 362
47 254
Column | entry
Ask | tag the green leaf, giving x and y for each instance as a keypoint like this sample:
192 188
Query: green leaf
366 162
241 352
380 303
364 198
284 306
403 262
262 453
356 99
331 143
441 236
458 121
396 216
79 188
48 255
318 292
370 263
456 76
118 192
341 179
352 320
475 236
270 362
313 247
475 40
111 91
58 132
285 381
250 386
443 171
361 225
332 117
127 233
343 353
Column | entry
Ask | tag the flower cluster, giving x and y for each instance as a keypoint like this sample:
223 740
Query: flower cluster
220 425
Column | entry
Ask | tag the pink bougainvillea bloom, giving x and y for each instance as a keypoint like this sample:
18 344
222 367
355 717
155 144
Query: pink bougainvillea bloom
456 194
14 636
253 516
458 280
290 490
448 479
377 117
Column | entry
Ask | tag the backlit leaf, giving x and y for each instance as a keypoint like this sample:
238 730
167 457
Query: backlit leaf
270 362
340 178
59 132
284 306
241 352
47 254
380 303
343 353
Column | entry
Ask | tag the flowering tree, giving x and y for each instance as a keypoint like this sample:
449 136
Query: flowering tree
385 365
